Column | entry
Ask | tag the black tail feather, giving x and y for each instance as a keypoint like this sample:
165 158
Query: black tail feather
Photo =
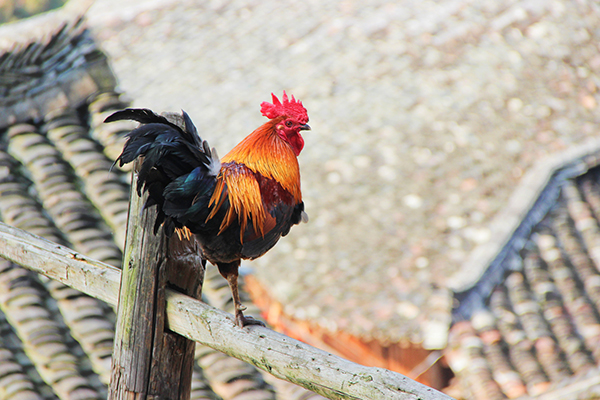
170 154
141 115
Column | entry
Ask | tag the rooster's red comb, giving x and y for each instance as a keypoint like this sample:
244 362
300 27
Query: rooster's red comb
290 108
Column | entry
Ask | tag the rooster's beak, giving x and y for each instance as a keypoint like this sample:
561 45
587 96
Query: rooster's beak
305 127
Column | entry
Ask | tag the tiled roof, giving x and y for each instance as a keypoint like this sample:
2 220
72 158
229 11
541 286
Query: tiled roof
425 115
56 181
532 326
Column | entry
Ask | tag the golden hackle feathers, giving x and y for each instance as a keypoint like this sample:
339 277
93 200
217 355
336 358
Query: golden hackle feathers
261 152
265 153
183 233
245 201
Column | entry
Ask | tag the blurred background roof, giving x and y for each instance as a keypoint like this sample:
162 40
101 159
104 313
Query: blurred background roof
425 116
56 181
11 11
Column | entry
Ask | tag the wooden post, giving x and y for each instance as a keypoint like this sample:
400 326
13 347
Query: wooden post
150 361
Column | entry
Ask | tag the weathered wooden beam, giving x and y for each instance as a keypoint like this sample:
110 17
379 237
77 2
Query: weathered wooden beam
149 361
173 357
95 278
289 359
282 356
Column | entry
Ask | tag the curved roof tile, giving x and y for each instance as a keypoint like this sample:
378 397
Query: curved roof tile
538 331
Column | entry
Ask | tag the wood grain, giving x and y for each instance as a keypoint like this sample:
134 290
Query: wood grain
150 361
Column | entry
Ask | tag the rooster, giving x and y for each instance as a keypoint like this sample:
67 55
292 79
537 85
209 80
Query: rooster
237 207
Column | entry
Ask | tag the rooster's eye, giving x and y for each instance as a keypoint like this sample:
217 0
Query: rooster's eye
288 123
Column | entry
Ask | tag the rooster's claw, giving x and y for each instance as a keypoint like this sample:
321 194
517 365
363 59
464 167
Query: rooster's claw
243 321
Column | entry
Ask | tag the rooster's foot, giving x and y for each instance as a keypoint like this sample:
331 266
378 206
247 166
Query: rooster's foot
241 320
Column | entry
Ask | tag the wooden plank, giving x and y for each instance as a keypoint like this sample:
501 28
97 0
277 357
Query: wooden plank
144 256
95 278
289 359
148 360
280 355
173 354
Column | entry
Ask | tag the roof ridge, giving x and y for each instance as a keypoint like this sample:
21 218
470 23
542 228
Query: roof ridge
527 206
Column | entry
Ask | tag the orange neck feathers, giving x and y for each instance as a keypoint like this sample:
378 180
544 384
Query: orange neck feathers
264 152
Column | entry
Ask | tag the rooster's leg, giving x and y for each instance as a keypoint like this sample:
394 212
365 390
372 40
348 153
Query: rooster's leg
230 273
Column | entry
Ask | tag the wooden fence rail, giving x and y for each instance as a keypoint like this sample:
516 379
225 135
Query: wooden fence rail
285 358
